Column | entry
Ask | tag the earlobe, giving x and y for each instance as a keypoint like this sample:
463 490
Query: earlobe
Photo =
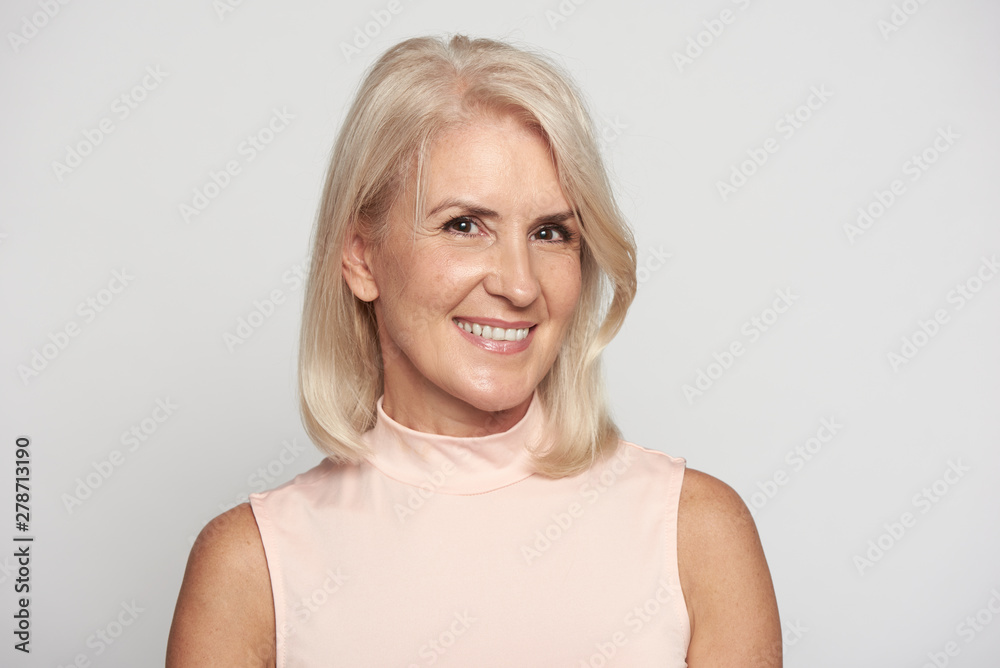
356 269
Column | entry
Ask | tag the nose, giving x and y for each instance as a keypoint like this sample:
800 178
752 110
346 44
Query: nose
512 275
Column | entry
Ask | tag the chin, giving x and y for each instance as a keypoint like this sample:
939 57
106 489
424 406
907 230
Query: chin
494 399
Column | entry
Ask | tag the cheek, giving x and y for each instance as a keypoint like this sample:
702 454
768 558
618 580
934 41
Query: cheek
422 288
446 277
562 284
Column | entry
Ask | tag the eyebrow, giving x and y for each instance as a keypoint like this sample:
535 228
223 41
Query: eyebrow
483 212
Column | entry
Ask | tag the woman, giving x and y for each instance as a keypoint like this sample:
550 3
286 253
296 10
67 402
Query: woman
477 506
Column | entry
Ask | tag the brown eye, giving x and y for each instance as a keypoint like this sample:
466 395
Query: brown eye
462 225
552 234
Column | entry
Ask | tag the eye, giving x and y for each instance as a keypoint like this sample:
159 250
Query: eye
553 234
462 225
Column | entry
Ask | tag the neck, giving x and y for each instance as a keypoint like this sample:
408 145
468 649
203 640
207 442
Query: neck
431 410
456 464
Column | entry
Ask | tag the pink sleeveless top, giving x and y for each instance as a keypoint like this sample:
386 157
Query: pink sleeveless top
450 552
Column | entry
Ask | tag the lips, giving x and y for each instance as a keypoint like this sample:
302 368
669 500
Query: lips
492 332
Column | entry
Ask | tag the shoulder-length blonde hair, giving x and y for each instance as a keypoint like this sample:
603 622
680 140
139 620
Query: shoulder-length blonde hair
414 91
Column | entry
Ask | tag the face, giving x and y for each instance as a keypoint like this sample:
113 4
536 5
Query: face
474 300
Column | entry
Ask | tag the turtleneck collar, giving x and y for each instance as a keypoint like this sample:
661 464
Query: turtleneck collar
456 465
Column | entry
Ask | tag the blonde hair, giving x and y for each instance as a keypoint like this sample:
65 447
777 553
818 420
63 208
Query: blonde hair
412 93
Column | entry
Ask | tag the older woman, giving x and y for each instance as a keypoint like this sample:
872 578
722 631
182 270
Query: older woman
477 505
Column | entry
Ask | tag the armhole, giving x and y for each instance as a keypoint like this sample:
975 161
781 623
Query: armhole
673 493
267 538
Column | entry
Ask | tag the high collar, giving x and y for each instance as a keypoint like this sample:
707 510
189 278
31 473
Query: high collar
456 465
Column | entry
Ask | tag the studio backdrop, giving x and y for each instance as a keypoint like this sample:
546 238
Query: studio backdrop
813 189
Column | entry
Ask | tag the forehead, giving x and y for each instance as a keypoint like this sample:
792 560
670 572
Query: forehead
496 161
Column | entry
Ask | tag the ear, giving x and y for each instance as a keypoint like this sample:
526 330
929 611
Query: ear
355 264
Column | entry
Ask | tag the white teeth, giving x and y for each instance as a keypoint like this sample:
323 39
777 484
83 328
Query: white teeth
494 333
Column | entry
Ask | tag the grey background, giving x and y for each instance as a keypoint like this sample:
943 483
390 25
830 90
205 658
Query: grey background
673 131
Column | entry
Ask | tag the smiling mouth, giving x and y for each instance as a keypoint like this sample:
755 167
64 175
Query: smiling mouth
493 333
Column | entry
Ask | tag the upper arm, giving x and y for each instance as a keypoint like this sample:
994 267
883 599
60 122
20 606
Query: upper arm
725 579
225 611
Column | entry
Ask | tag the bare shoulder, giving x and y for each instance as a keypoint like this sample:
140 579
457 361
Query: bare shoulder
225 611
707 500
725 578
